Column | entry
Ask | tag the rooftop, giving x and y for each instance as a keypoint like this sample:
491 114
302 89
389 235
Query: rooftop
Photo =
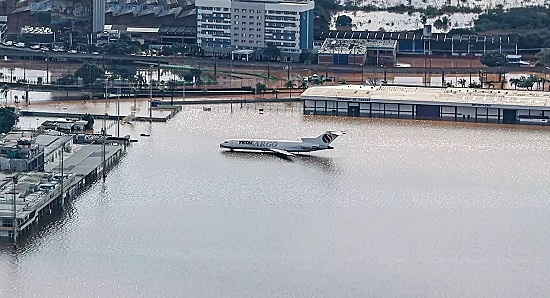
460 96
31 191
354 46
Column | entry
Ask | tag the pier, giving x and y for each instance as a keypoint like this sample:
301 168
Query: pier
173 110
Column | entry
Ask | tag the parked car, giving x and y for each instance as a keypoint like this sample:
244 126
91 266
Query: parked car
8 43
20 44
35 47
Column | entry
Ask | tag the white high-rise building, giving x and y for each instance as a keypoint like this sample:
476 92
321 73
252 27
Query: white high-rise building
226 25
98 16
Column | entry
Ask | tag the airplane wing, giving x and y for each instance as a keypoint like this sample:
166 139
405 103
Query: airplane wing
280 151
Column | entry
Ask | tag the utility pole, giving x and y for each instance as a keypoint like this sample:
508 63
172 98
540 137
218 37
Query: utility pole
118 113
14 212
150 92
287 72
104 135
105 89
62 176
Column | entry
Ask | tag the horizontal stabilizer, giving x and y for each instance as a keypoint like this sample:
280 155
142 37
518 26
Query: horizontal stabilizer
280 151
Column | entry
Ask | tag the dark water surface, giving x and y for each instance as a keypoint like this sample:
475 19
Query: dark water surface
399 208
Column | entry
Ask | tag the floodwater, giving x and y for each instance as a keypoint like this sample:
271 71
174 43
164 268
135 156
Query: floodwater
398 208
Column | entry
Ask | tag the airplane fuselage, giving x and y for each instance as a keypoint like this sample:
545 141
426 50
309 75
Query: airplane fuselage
269 145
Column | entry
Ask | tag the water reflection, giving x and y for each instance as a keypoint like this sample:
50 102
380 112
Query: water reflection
322 163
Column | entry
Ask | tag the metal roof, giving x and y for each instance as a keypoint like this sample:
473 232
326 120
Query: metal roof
443 96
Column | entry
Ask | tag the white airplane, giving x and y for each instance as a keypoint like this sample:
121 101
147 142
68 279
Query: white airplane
284 147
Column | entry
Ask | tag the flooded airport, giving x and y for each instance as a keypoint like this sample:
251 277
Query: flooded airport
397 208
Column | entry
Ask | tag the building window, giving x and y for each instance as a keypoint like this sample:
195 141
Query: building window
7 223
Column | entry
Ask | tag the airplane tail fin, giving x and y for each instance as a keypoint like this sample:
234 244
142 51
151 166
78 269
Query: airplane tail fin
326 138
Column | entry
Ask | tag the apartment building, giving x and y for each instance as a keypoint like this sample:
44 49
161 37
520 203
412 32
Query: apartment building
227 25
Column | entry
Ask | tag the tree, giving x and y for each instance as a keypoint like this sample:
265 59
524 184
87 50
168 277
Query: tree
66 79
276 92
303 85
124 72
493 58
260 88
514 82
475 85
120 47
194 73
90 119
343 21
39 80
543 56
89 73
290 84
462 82
4 92
8 118
272 52
526 83
490 84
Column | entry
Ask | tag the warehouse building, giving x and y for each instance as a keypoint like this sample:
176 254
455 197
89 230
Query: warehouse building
426 103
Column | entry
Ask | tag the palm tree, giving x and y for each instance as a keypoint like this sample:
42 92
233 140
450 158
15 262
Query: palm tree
514 82
260 88
4 92
543 81
490 84
303 85
462 82
276 92
290 84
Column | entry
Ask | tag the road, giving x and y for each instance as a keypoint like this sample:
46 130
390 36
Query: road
24 53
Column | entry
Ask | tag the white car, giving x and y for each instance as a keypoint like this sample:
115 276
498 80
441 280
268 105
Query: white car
35 47
71 51
8 43
20 44
95 53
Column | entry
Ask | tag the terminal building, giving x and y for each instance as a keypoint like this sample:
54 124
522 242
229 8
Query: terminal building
427 103
369 52
423 41
227 25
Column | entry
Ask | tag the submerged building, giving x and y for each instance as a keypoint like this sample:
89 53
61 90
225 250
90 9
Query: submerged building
427 103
